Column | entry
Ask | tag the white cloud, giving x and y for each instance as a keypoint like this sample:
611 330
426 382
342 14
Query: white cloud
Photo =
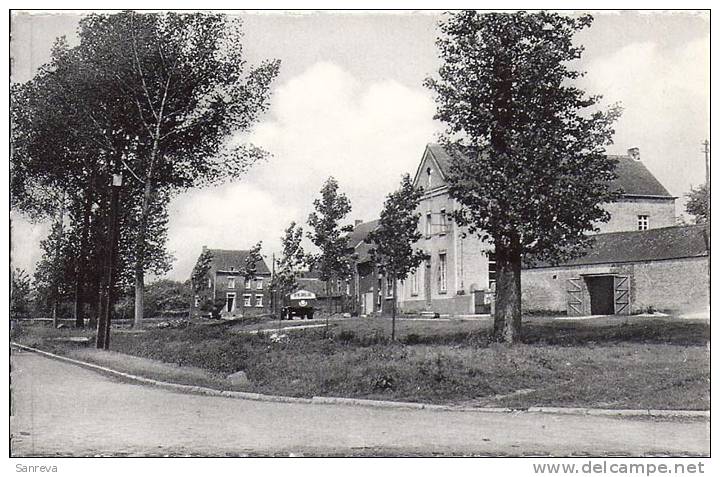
25 242
665 96
322 122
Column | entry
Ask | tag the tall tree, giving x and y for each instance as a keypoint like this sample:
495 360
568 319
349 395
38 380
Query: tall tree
392 242
333 260
284 279
157 96
253 258
528 164
181 89
698 205
54 273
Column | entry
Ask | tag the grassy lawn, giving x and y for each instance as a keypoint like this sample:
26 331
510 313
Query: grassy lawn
615 362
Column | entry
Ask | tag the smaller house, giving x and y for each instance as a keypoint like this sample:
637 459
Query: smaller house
370 292
224 291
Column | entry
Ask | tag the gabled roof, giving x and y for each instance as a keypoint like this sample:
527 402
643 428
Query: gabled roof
666 243
633 178
234 260
361 230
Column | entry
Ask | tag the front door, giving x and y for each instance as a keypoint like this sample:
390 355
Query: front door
230 303
428 283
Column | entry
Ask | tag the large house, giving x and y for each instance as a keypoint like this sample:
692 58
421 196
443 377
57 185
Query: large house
459 274
226 291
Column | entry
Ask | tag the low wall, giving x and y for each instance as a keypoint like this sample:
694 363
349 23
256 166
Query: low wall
455 305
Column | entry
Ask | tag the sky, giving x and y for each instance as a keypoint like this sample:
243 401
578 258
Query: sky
349 102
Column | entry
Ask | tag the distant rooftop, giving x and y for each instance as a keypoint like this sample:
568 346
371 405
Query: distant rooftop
234 260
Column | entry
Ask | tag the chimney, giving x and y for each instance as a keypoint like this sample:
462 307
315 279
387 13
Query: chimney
634 153
358 222
204 248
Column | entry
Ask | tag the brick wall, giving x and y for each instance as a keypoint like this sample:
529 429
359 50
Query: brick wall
222 282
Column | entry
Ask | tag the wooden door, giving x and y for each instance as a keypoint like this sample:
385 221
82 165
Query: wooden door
428 283
622 294
575 303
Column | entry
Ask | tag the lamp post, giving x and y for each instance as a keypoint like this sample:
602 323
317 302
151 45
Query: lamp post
103 329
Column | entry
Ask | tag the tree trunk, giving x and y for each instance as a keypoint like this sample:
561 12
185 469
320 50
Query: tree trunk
507 318
81 265
57 277
140 256
394 310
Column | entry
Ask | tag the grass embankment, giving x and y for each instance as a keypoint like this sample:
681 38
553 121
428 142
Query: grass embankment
613 363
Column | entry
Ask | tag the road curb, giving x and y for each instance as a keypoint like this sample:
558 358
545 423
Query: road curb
166 385
325 400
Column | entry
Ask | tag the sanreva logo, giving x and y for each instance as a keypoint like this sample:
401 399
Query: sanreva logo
302 294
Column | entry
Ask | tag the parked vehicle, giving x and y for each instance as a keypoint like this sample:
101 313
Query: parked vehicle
300 303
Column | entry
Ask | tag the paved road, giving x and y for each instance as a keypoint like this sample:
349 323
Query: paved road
62 409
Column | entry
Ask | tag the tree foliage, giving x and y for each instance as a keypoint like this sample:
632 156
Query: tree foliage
165 296
199 276
20 289
333 260
290 261
698 204
392 242
154 95
254 257
528 167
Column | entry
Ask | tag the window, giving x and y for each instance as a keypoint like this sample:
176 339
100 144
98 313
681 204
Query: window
246 300
248 283
443 222
209 282
230 302
428 224
443 273
197 301
388 288
379 294
492 269
429 177
231 282
258 301
415 283
643 222
258 284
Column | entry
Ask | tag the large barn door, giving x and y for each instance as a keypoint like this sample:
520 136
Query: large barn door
622 295
575 297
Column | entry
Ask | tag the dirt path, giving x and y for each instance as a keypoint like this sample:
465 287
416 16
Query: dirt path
63 409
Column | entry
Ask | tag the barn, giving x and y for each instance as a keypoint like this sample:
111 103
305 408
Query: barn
664 269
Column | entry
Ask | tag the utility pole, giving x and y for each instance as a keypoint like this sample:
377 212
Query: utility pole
103 329
57 273
706 150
